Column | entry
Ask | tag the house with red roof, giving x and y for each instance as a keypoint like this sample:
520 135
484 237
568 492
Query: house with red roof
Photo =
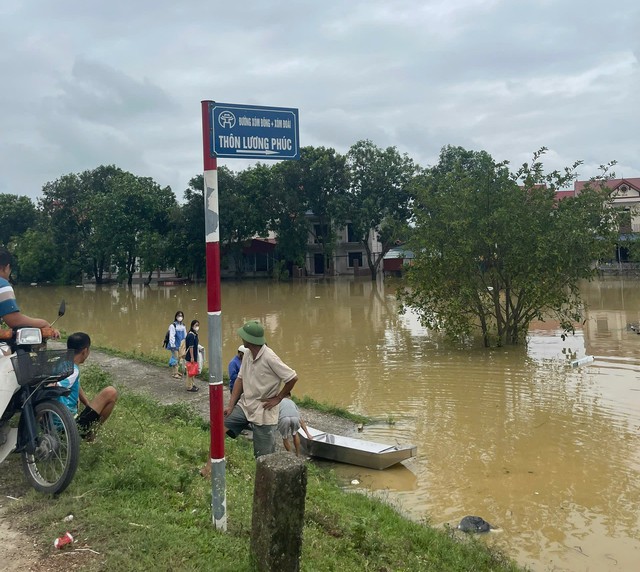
625 194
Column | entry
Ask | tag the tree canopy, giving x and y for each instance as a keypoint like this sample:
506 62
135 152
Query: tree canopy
17 214
379 198
315 186
496 250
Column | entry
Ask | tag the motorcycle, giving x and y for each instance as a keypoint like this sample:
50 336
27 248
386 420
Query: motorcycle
45 435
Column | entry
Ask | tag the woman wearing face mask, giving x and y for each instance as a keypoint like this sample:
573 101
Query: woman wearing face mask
192 356
177 333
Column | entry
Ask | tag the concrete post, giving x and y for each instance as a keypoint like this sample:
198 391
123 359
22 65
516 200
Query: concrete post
278 512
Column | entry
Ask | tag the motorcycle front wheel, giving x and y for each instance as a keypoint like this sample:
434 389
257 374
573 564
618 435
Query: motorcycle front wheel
53 464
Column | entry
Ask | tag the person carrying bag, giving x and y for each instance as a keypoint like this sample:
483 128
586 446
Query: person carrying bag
175 335
191 356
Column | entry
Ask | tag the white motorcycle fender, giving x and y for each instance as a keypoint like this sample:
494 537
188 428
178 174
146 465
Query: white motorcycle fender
8 386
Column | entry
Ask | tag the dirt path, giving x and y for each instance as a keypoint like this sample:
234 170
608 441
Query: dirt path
157 383
18 552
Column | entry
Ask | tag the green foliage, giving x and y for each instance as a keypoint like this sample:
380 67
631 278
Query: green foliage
38 257
68 220
186 243
106 220
128 218
379 197
17 215
495 251
634 249
312 189
242 199
243 202
280 272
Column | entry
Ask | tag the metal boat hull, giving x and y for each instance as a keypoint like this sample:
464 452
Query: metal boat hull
355 451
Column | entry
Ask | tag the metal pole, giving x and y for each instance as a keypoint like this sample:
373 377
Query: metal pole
214 323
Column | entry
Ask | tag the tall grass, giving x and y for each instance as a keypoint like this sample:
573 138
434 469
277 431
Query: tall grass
140 504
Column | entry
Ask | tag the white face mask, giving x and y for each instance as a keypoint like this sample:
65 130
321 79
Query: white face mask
196 328
179 318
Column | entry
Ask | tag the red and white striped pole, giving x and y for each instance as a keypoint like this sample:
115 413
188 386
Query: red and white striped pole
214 323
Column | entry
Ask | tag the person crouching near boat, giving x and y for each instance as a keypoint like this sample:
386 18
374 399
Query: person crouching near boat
289 421
257 392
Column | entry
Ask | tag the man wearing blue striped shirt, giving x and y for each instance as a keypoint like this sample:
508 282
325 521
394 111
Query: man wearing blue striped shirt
9 310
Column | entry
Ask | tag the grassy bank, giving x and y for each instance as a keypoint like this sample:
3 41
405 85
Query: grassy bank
139 504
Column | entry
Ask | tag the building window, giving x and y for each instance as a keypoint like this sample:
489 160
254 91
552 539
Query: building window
320 231
355 257
351 237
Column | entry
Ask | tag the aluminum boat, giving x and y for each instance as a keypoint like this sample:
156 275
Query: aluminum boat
354 451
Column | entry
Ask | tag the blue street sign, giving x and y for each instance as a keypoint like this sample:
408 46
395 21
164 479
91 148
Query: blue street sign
253 131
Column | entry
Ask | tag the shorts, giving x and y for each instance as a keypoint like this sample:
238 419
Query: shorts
264 436
86 420
288 426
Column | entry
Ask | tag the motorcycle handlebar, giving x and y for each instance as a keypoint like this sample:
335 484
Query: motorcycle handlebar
8 335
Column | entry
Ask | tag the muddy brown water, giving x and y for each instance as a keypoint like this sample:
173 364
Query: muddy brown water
547 452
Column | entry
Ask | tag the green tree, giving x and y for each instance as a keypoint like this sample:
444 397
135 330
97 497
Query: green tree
68 205
17 214
187 240
38 257
288 214
153 253
129 217
379 199
96 252
325 182
243 199
495 251
313 189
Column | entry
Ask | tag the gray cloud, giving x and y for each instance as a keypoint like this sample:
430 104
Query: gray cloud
99 83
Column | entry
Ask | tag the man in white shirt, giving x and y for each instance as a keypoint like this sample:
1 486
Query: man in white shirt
258 391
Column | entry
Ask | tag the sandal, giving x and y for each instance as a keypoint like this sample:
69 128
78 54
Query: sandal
177 376
193 389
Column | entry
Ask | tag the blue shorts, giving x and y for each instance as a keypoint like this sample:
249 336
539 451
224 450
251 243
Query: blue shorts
264 436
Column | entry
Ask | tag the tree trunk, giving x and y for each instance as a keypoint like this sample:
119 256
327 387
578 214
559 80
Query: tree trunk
97 271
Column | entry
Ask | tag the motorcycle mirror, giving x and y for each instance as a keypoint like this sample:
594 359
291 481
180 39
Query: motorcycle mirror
61 311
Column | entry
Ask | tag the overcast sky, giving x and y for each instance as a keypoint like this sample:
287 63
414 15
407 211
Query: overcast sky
89 83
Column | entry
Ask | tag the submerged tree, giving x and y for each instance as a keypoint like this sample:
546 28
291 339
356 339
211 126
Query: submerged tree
242 200
186 244
134 213
243 209
379 200
68 219
495 250
308 198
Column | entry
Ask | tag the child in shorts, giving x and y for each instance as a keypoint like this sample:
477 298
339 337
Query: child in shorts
97 410
289 421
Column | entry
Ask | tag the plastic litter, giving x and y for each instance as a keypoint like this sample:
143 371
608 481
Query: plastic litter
62 541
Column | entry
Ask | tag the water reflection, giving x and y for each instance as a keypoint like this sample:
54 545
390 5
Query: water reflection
545 451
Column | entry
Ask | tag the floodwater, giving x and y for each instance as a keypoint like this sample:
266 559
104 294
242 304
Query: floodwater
547 452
